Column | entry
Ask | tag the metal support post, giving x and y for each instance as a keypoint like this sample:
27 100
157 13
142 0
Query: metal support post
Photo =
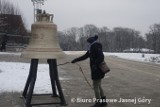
52 77
30 83
54 66
28 79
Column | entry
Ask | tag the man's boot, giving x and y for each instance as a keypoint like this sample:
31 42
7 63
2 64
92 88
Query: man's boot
104 103
97 104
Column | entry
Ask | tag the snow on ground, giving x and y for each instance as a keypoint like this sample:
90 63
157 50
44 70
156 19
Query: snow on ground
14 75
9 53
137 56
131 56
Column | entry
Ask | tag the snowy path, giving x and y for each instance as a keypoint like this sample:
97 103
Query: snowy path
127 79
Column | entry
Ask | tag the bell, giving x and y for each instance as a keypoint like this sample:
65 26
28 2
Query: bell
44 41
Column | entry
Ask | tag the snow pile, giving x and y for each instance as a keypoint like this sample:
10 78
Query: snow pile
139 50
154 59
137 56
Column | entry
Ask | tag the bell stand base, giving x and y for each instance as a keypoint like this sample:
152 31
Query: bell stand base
30 83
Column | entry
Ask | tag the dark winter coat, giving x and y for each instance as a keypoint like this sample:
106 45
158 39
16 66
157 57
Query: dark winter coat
96 57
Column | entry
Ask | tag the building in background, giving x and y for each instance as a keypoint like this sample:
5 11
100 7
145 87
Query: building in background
13 29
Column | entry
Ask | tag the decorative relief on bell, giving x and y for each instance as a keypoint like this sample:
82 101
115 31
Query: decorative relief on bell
38 36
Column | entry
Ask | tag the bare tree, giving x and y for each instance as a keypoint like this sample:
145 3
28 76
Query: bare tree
105 38
8 8
117 39
11 22
153 38
85 32
68 39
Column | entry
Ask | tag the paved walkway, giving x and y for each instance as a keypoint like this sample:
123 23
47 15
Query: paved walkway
133 82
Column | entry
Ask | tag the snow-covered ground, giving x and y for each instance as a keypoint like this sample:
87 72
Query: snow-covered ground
13 75
9 53
154 58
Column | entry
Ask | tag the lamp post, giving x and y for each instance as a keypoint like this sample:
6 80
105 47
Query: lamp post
37 6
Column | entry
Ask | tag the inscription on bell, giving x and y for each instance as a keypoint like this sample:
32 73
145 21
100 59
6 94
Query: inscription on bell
38 36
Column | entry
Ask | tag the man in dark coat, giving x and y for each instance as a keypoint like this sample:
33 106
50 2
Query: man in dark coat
96 56
3 44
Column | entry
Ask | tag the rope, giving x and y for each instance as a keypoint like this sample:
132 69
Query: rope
63 63
81 70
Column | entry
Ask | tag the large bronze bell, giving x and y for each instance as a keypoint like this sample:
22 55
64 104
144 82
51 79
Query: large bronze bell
44 41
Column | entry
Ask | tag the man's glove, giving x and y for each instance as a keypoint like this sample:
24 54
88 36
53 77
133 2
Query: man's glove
73 61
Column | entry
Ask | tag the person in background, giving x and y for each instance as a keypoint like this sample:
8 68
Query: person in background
3 44
96 56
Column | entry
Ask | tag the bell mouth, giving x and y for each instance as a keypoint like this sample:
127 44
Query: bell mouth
44 49
43 55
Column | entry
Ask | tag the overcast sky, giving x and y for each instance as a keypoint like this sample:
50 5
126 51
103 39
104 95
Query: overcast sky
135 14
